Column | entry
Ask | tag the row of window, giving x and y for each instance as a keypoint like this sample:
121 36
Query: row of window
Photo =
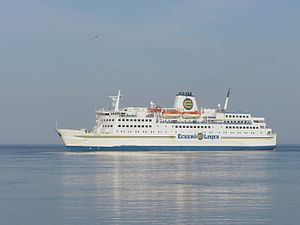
202 127
237 116
234 121
193 127
131 120
146 126
165 132
136 120
136 131
237 127
107 125
149 126
150 120
108 120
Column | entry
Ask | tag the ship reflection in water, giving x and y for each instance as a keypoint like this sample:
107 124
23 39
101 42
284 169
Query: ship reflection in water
167 187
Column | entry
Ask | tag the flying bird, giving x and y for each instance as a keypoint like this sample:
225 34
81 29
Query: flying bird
96 36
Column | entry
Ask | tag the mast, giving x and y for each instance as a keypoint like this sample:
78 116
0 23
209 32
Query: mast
226 101
116 101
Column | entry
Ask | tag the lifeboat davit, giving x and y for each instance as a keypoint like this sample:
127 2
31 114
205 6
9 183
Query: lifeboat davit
171 113
154 109
189 115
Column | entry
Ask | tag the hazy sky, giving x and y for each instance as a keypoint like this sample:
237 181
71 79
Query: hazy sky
52 71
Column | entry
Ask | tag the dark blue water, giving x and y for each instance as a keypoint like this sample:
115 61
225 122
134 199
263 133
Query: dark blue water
46 185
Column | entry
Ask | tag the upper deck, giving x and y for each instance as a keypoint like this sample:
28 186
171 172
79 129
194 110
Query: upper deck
184 114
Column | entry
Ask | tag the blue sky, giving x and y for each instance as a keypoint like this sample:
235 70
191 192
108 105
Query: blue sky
51 70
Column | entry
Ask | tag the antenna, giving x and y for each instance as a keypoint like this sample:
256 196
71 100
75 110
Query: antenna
226 101
116 101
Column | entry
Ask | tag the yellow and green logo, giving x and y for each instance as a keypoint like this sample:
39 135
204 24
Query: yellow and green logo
200 136
188 104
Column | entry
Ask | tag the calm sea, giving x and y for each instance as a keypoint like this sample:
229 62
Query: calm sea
46 185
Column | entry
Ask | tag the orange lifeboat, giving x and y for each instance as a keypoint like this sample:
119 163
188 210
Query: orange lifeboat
171 113
189 115
154 109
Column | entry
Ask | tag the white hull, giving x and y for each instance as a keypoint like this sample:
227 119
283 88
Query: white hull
78 138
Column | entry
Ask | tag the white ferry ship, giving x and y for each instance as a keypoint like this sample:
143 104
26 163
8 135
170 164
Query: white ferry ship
182 127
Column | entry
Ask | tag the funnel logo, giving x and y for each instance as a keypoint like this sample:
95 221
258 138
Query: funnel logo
188 104
200 136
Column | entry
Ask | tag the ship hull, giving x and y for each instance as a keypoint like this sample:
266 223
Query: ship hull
78 140
169 148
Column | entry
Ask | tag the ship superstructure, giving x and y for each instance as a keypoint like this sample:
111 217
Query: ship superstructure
181 127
